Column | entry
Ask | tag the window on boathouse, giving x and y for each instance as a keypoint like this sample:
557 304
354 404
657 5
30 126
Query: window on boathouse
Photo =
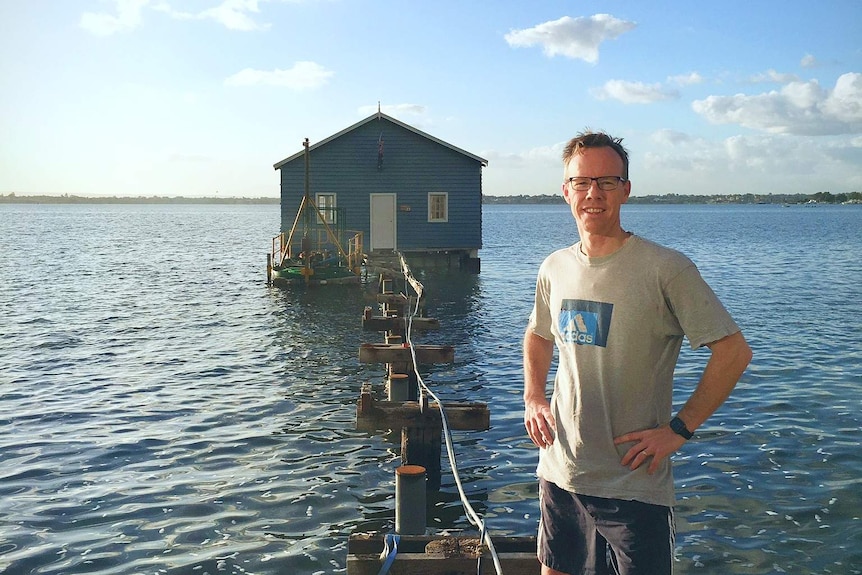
438 207
326 205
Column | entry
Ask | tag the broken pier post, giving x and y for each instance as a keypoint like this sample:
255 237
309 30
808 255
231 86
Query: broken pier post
421 424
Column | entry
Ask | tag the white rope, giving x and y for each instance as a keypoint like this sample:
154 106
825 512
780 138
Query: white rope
472 516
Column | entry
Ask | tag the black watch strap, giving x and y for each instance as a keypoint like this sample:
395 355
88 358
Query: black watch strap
678 427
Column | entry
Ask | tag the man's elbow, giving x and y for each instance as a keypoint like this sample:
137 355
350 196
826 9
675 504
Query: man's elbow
736 352
744 353
748 355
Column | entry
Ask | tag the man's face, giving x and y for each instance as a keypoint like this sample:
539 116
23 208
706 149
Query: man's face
596 212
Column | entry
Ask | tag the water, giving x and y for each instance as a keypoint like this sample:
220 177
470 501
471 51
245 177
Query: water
163 411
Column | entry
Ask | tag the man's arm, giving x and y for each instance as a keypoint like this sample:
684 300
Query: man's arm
730 356
538 354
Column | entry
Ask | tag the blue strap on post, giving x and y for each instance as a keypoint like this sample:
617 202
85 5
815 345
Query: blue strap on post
391 541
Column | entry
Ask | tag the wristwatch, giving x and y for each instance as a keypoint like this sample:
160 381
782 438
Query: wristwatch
678 427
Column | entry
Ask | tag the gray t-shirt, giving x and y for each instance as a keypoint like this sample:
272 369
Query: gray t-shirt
618 323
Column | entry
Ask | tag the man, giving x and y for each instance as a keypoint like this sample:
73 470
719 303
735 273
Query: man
617 307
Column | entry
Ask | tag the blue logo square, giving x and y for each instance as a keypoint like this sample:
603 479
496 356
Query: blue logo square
585 322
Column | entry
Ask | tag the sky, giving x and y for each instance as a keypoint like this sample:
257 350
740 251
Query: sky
201 97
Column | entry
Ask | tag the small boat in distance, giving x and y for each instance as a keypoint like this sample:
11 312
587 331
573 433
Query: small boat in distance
317 250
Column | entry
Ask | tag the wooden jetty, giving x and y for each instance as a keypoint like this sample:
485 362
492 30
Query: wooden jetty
408 408
420 422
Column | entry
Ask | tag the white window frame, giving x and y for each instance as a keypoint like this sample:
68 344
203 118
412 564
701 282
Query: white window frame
431 197
329 213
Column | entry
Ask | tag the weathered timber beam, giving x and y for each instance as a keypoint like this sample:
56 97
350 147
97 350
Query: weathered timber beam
382 323
517 557
374 415
389 353
372 542
395 298
422 564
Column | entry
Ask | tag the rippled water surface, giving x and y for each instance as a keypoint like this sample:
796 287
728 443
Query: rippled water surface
163 411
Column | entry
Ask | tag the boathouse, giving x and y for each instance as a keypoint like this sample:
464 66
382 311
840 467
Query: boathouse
404 189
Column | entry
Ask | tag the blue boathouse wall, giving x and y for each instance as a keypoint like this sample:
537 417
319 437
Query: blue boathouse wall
381 155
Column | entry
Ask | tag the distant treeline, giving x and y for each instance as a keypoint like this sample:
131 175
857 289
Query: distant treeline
819 197
72 199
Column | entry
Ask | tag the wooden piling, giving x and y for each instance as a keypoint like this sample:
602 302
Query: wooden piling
399 387
420 445
268 269
421 423
410 500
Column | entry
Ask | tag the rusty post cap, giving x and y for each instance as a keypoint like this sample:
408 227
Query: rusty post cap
410 470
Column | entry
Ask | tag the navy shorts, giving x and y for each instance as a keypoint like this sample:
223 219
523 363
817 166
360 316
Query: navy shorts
597 536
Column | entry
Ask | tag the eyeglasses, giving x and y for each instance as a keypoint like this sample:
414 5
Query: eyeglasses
605 183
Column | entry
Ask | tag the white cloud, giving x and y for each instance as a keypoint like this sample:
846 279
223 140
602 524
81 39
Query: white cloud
744 152
668 137
537 170
801 108
845 102
793 156
771 76
542 156
232 14
686 79
641 93
753 164
634 92
303 76
576 38
675 152
128 17
808 61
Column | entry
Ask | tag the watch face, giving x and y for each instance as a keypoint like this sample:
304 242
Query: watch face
678 426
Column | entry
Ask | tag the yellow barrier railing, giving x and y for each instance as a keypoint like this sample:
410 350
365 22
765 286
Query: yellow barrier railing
354 252
283 250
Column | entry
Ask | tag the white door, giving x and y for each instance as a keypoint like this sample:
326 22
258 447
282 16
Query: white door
383 215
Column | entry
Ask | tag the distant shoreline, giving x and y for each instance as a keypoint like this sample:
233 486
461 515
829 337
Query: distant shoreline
72 199
668 199
820 197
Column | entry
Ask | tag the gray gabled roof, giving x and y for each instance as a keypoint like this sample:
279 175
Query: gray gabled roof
378 116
